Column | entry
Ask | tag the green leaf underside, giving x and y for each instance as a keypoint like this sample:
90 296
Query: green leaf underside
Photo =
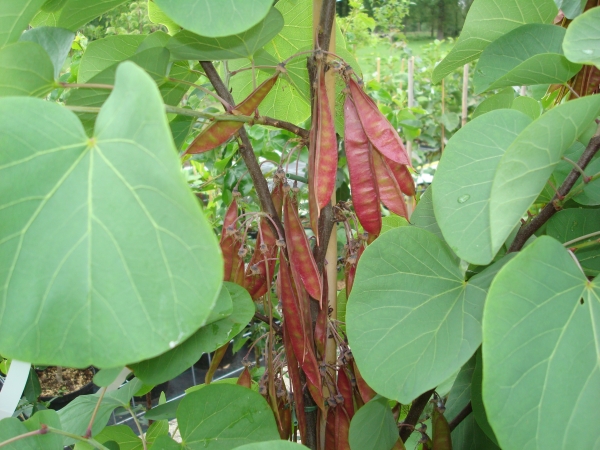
528 106
423 215
570 224
541 341
582 40
121 434
408 293
56 41
25 70
14 18
84 225
373 427
479 411
528 55
76 13
591 192
215 18
187 45
571 8
224 416
488 20
288 100
205 340
462 185
12 427
529 161
502 100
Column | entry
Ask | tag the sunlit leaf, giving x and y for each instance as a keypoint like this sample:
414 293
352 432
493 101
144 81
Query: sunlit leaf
582 41
25 69
14 18
56 41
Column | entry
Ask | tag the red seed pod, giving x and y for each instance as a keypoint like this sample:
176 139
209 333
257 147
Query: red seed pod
389 191
245 379
350 270
342 429
441 439
277 196
326 155
365 390
300 252
365 196
402 176
345 388
228 241
285 425
294 374
313 207
381 133
218 133
255 280
330 431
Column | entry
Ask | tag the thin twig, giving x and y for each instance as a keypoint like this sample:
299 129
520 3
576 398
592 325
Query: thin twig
276 327
88 432
414 413
21 436
225 103
460 416
89 441
527 230
581 238
282 124
86 85
139 426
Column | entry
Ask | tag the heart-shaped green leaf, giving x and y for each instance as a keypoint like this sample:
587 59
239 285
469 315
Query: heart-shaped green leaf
215 18
25 69
187 45
423 215
502 100
486 21
540 351
373 427
76 13
97 205
582 41
13 427
224 416
463 182
207 339
528 55
14 18
412 320
56 41
570 224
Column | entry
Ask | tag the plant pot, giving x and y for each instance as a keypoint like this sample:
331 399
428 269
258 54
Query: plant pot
61 400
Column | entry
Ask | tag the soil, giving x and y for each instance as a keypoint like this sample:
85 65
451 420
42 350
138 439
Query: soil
73 380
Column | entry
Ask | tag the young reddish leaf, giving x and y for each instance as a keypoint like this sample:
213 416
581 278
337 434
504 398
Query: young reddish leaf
389 191
326 156
256 280
245 379
440 431
402 176
300 252
381 133
219 132
365 196
294 374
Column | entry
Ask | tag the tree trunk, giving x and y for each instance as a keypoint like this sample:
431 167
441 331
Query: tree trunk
441 7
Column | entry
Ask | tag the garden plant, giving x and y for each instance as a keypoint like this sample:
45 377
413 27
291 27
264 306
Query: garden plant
162 191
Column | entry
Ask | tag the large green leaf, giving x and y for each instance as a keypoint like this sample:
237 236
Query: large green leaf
529 161
172 92
107 52
573 223
488 20
540 349
224 416
591 191
528 106
528 55
14 18
271 445
502 100
373 427
288 100
56 41
207 339
187 45
215 18
479 411
76 13
12 427
75 417
582 41
423 216
122 246
571 8
412 320
25 69
462 186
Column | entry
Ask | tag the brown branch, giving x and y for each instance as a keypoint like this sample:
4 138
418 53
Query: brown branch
265 319
326 21
414 414
283 125
247 152
527 230
461 416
